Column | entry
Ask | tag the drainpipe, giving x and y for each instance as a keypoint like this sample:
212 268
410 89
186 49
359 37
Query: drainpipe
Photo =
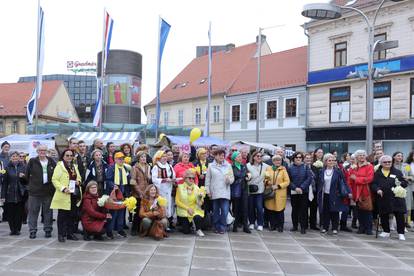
307 88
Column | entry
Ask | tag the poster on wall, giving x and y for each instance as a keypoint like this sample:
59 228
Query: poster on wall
136 91
118 91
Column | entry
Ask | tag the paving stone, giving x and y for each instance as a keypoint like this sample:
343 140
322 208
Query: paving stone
317 242
392 271
69 245
100 246
15 251
212 263
340 270
169 261
381 262
400 253
294 257
176 271
243 273
110 269
294 248
337 260
179 242
88 256
204 272
275 240
302 269
245 238
252 255
72 268
128 258
255 266
32 243
212 252
212 244
16 273
49 253
145 249
363 252
31 265
324 250
173 250
248 246
407 261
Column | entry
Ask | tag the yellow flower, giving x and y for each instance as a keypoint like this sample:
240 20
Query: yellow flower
127 160
162 201
407 168
130 203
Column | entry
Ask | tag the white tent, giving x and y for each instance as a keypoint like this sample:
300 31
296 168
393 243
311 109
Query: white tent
118 138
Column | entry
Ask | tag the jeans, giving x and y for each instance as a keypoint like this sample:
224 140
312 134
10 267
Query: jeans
117 221
299 209
220 212
36 204
256 209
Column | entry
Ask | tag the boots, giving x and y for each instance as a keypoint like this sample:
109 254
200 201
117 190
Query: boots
246 228
344 227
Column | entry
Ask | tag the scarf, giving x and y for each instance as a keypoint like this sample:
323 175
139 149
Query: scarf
237 165
274 167
124 175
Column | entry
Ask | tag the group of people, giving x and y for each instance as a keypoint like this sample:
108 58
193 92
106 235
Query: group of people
207 188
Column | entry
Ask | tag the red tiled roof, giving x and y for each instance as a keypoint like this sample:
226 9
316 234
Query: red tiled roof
278 70
226 67
14 96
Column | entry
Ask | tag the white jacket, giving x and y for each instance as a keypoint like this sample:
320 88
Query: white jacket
218 180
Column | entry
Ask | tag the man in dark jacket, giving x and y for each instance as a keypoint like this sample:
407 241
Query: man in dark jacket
39 175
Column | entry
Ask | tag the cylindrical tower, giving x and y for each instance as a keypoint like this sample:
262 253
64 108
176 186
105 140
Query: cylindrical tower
122 91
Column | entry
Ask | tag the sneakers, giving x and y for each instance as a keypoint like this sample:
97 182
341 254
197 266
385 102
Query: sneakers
122 233
384 235
259 228
48 234
200 233
401 237
323 231
251 227
335 232
32 235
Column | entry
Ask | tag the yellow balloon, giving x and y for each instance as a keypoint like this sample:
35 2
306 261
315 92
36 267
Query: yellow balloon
195 134
162 135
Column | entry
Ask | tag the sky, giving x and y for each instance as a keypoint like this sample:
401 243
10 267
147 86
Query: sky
74 29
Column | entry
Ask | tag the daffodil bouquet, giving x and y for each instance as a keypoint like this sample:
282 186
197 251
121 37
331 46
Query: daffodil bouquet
399 191
131 204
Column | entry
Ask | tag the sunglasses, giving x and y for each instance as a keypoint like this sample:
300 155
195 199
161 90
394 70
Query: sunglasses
258 156
193 178
68 155
386 162
299 157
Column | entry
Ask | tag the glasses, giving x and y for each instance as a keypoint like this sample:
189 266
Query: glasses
192 178
298 157
386 162
68 155
22 156
259 156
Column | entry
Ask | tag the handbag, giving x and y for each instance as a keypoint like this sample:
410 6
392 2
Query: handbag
253 188
157 230
365 202
268 193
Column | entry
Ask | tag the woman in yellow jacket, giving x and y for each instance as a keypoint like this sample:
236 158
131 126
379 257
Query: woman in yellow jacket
276 179
189 199
66 179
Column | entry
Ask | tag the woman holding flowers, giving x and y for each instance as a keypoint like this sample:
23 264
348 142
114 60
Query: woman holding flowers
189 199
397 162
93 216
152 211
389 184
127 151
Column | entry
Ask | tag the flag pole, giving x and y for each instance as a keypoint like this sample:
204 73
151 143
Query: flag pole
209 82
102 72
157 110
37 68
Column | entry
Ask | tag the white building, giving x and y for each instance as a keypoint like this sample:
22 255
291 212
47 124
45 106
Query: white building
337 105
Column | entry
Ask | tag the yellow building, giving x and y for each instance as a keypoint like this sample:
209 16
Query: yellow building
54 105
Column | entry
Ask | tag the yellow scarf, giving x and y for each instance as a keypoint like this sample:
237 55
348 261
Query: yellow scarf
124 175
385 172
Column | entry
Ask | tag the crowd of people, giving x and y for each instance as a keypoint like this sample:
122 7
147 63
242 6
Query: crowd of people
205 189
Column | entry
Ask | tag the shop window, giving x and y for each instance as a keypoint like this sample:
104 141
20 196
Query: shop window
339 104
382 100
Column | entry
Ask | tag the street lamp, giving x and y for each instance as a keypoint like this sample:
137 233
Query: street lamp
325 11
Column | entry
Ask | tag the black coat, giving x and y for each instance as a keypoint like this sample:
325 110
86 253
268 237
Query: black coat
13 188
388 203
34 176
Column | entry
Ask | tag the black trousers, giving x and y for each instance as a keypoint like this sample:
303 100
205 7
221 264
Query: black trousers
14 215
276 218
240 209
66 219
313 212
136 219
299 209
399 217
329 217
186 225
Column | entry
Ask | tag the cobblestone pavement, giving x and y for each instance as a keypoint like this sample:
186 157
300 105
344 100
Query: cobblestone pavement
264 253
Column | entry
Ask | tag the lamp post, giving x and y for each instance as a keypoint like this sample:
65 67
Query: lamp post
322 11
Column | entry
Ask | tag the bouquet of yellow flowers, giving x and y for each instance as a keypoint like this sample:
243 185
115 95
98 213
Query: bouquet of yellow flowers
128 160
162 201
399 191
131 204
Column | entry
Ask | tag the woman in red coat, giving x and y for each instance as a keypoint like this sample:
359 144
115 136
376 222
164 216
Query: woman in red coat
93 217
183 165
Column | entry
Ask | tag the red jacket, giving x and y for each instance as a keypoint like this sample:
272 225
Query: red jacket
180 169
93 217
364 177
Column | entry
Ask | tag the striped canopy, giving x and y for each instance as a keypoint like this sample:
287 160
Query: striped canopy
117 138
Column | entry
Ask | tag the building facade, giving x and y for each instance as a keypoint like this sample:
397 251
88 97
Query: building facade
337 104
81 89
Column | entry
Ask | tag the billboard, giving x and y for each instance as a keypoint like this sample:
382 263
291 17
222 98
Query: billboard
118 90
135 91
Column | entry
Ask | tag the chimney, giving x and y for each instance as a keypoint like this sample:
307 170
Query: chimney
263 38
230 47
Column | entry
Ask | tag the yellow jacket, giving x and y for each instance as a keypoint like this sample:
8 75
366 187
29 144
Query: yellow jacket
60 180
185 200
280 178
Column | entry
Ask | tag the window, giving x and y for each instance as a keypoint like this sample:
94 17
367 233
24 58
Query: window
290 108
1 126
252 111
180 118
412 97
152 119
378 55
77 83
15 127
271 110
290 147
382 100
340 102
340 54
216 113
165 118
235 113
198 116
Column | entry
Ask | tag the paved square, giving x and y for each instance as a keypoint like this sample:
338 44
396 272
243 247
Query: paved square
260 253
